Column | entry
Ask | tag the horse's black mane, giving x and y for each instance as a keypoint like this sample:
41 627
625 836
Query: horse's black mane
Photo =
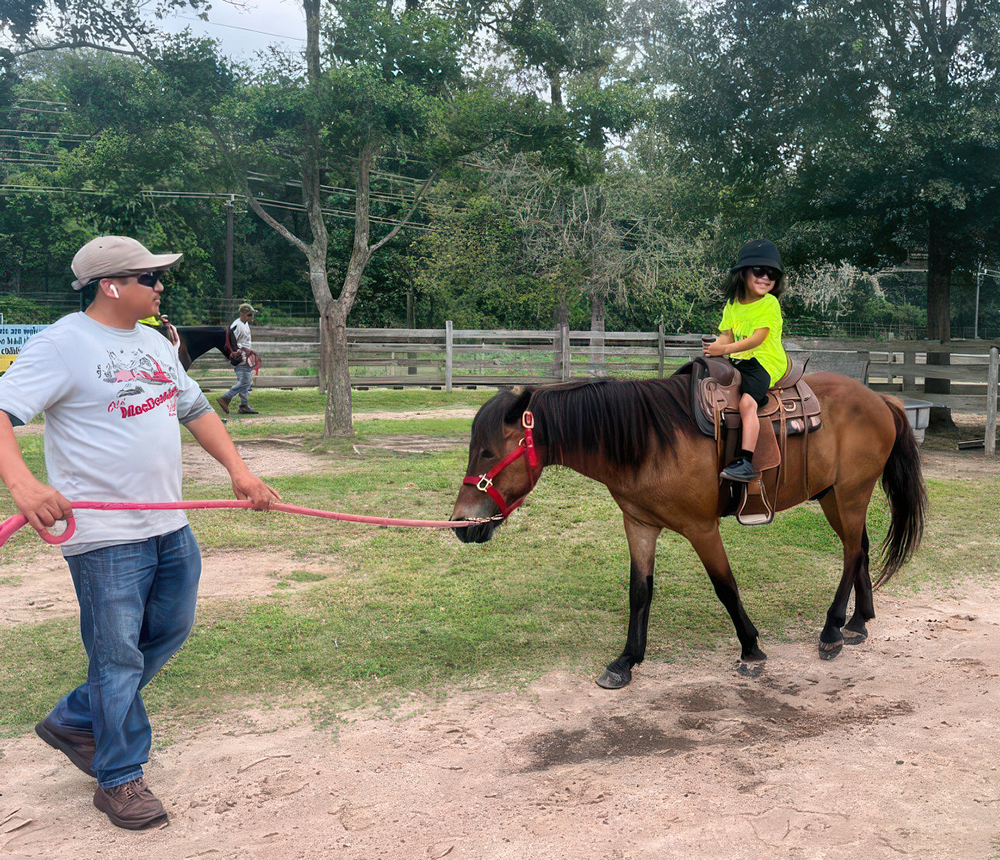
610 417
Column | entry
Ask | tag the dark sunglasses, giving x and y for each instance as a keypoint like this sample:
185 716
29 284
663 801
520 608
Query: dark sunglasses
766 272
149 279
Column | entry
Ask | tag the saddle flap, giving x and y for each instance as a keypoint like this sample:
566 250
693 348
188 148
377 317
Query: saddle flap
715 387
767 454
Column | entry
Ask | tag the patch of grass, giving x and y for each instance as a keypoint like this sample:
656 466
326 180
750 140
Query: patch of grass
274 402
305 576
13 581
41 663
388 610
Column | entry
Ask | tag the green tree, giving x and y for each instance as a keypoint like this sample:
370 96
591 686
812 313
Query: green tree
379 84
861 131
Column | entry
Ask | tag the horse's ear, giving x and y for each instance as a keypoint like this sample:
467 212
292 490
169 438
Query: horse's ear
522 395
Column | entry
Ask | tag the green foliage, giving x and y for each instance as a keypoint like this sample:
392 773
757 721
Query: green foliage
19 311
865 131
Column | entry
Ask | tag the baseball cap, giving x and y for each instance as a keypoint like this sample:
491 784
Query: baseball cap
247 309
116 255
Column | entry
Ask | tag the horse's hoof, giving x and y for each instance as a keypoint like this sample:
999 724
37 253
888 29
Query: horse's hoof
611 680
829 650
754 656
854 637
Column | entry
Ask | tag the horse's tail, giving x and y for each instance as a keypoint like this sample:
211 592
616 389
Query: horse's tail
903 482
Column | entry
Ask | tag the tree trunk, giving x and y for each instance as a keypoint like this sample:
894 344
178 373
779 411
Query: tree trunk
562 310
597 318
939 266
338 420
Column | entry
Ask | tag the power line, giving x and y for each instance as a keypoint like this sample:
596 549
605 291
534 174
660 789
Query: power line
244 29
60 136
207 195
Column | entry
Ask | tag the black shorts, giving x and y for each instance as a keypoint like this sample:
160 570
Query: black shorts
756 380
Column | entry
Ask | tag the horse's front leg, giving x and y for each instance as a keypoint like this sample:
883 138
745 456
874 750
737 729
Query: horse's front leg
708 545
642 557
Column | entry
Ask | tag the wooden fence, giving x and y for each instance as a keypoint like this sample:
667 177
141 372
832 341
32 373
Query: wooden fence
448 357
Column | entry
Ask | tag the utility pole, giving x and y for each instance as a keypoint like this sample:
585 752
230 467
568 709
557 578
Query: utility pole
228 286
975 321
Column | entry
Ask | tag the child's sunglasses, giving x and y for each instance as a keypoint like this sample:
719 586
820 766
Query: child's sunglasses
766 272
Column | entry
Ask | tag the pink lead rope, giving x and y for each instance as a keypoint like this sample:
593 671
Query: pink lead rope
12 524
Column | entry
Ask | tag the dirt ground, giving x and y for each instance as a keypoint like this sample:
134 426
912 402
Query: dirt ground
889 751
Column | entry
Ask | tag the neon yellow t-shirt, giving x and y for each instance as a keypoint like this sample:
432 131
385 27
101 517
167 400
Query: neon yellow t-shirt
153 321
744 320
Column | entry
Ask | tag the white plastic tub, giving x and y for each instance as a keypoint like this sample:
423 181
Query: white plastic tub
918 412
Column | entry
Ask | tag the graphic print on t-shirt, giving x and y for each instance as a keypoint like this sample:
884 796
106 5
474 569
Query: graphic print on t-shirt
136 367
134 371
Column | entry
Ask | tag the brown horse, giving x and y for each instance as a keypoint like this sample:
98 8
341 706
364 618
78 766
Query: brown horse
640 440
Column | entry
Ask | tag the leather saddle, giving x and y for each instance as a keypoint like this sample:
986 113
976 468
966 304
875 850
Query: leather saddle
715 398
791 409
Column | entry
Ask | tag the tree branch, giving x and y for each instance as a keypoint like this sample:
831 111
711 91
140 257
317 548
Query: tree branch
406 218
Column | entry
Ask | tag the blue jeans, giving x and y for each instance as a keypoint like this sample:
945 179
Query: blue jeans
244 382
137 603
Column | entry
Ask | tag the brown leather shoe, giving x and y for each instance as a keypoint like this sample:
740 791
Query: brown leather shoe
77 744
248 410
131 805
223 403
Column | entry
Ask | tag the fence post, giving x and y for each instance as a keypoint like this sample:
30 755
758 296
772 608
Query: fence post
909 380
660 348
991 404
567 371
448 356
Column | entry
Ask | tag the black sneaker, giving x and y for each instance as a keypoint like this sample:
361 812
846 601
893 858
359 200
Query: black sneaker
739 470
248 410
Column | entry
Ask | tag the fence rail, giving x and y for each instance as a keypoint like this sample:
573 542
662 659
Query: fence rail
446 358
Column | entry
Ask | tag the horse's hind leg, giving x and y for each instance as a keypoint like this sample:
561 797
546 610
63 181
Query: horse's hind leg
848 521
855 631
642 556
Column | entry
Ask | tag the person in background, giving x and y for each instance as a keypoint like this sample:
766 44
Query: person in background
241 339
751 335
114 395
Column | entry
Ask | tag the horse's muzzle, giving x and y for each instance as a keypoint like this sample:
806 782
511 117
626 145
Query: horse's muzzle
478 533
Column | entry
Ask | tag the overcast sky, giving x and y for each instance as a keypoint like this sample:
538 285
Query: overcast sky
249 27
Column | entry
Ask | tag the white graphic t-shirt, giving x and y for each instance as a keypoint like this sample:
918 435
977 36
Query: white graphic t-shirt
112 400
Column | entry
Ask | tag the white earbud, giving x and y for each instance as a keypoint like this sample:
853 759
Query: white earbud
113 290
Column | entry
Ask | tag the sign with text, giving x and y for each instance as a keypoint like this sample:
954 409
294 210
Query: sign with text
12 338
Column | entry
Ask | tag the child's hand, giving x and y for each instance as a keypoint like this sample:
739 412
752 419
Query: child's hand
714 348
172 336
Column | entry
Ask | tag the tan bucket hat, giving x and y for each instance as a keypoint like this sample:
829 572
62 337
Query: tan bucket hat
116 255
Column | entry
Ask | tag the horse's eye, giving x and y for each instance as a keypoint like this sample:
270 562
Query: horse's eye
487 454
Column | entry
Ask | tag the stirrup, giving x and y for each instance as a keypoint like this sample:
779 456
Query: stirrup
760 512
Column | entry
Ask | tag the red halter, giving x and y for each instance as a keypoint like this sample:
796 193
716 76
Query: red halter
525 448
